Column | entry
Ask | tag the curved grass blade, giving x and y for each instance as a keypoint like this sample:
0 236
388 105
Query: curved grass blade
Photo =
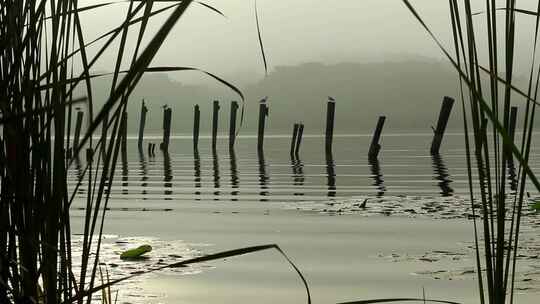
260 40
83 9
211 8
517 10
219 79
206 258
117 30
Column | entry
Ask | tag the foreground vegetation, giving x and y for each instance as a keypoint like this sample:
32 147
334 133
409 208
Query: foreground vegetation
43 60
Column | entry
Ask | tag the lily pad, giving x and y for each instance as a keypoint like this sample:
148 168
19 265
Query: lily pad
536 206
136 253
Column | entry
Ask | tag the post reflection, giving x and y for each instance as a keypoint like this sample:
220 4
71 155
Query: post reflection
264 178
512 176
125 174
80 172
441 174
167 175
215 167
235 182
331 175
197 174
298 175
377 176
144 174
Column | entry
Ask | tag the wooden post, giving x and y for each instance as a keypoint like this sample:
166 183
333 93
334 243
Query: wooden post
142 123
375 147
149 149
78 126
196 125
167 116
299 140
123 132
263 113
215 121
232 125
330 114
293 141
446 109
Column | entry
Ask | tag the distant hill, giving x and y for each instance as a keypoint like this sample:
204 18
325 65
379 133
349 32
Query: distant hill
409 93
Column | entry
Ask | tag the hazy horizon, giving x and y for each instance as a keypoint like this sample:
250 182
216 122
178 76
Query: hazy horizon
296 32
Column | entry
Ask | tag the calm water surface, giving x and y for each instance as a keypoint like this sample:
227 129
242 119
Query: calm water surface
404 167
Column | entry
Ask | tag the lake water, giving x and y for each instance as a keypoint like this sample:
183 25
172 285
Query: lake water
196 203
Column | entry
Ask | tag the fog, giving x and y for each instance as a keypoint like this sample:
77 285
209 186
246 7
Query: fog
371 55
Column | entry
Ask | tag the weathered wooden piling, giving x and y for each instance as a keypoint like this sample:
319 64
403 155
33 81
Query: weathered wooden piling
167 116
444 115
78 126
196 126
375 147
293 140
142 124
215 121
299 140
263 113
123 132
330 114
232 125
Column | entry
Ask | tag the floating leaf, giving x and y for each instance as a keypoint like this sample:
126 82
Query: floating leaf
136 252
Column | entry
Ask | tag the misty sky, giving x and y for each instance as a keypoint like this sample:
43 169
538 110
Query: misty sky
295 32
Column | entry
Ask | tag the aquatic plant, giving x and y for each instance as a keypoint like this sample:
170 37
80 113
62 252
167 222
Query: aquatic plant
491 155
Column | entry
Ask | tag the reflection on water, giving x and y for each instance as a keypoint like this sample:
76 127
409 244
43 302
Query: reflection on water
144 173
441 174
79 175
125 176
197 173
167 174
331 175
235 181
215 167
276 176
512 176
298 175
378 180
264 178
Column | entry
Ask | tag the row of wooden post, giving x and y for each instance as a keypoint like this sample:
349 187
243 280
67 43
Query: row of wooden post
298 128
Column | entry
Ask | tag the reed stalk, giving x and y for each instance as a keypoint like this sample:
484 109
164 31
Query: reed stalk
501 211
